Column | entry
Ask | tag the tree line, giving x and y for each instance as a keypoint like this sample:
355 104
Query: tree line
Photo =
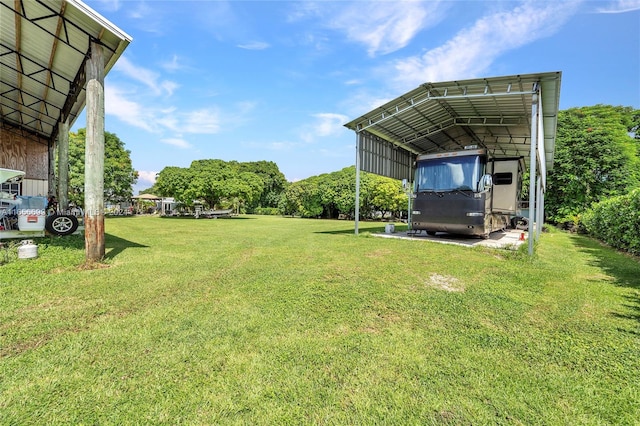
222 184
333 195
594 186
259 187
597 158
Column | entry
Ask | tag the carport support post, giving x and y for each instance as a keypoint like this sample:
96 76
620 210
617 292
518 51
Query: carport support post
357 212
539 208
63 165
533 167
94 157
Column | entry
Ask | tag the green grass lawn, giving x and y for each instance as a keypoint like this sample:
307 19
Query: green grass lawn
269 320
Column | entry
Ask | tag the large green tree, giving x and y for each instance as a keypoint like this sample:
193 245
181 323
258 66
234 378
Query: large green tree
219 184
387 195
172 182
119 175
302 198
333 194
274 183
596 157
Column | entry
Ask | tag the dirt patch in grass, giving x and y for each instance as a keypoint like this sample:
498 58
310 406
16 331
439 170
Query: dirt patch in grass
90 266
378 253
446 283
19 348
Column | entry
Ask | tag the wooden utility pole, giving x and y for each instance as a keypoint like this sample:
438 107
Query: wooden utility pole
51 178
94 157
63 165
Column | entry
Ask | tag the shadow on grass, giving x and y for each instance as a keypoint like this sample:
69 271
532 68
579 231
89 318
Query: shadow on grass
113 245
205 218
623 268
117 245
366 227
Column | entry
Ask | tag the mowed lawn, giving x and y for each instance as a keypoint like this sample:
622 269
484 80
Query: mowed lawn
270 320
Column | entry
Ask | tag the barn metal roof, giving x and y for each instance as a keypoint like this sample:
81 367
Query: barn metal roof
43 48
494 113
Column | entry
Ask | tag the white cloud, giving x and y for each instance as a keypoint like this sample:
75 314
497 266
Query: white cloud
328 124
169 87
325 124
244 107
620 6
254 45
205 121
128 111
303 10
110 5
147 176
385 27
362 100
149 78
381 26
281 146
173 65
177 142
474 49
156 120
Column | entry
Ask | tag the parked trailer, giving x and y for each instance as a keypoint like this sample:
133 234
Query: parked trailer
465 192
31 216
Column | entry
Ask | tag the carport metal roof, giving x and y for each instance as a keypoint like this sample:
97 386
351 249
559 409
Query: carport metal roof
511 116
494 113
44 45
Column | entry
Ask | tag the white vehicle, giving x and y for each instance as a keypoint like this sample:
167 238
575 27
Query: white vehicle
31 216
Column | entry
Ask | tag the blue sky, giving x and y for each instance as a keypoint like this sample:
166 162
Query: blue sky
277 80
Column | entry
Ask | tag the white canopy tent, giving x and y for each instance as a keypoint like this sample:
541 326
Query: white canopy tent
510 116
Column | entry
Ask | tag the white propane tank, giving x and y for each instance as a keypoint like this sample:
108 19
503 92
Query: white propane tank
27 250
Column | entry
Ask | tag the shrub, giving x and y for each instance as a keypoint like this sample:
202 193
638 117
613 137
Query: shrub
616 221
270 211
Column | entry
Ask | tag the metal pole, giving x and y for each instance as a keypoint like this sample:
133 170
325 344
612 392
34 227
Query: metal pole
542 179
532 167
357 212
409 192
539 208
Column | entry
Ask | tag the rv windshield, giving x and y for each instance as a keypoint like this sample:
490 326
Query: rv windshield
449 173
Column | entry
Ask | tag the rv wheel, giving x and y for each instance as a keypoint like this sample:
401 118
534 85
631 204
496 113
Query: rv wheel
60 224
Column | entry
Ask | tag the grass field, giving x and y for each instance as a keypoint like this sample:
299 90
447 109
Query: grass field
269 320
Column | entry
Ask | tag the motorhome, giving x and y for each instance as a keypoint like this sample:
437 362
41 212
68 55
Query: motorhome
467 192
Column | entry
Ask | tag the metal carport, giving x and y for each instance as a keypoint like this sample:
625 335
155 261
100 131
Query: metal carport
54 55
510 116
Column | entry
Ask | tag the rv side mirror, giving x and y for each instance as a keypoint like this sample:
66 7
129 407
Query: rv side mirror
486 182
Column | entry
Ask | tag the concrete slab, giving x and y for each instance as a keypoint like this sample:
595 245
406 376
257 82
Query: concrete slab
509 239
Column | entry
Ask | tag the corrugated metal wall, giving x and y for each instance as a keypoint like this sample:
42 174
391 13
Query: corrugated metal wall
35 187
384 158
